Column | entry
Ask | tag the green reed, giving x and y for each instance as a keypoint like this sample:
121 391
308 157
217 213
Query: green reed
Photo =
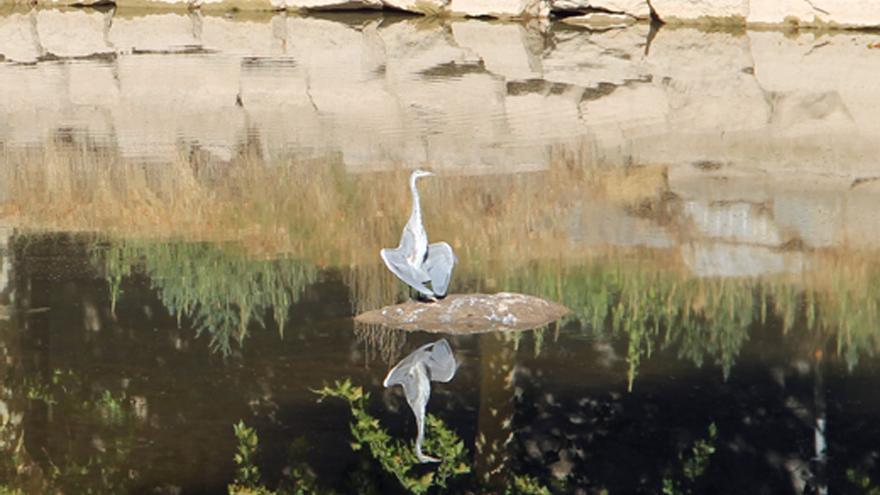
220 289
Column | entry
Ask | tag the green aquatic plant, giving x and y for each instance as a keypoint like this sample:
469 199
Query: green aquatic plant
97 464
40 392
219 288
692 465
862 481
397 457
298 479
247 474
526 485
110 407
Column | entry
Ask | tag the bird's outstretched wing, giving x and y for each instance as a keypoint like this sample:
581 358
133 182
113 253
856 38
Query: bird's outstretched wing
440 361
439 264
395 260
437 358
414 373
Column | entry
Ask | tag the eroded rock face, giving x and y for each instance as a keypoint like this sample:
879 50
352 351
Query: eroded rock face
417 6
716 11
639 9
843 13
600 21
332 4
468 313
836 13
502 9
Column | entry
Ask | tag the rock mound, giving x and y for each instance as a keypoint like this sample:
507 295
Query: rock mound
468 313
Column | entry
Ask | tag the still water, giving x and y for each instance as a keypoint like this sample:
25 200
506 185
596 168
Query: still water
178 258
130 399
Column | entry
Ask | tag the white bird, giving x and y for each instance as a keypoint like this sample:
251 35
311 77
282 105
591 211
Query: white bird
414 260
431 362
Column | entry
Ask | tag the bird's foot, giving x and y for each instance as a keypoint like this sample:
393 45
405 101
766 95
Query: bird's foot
425 298
425 458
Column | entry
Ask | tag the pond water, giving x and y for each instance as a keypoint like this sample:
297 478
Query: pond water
192 208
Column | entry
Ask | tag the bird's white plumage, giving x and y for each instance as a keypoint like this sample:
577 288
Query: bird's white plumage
416 262
415 372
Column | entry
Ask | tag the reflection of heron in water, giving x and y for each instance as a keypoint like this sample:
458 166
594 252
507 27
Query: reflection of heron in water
431 362
414 260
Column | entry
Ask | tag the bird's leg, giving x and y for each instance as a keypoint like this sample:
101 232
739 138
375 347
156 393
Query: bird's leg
419 296
423 298
420 425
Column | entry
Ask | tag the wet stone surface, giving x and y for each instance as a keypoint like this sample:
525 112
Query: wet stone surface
468 313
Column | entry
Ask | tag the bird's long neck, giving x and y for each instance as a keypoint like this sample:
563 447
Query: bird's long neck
415 218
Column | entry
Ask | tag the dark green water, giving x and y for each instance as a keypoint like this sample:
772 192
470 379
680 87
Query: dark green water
133 401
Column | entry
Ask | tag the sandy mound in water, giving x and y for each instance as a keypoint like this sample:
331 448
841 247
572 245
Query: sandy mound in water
468 313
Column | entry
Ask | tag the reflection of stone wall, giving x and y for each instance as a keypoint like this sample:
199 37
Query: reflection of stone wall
462 94
744 122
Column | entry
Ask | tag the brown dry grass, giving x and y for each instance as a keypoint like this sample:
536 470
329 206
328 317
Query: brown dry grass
314 209
311 208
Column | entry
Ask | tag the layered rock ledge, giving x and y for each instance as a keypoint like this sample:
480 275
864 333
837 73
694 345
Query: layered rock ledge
845 14
468 313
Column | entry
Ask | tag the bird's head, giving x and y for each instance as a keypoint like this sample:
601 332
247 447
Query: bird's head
420 173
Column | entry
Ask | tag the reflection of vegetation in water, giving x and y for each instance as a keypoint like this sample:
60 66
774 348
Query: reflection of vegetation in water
247 474
652 308
657 306
865 484
98 466
313 210
299 480
849 307
537 334
526 485
397 457
388 343
693 465
221 290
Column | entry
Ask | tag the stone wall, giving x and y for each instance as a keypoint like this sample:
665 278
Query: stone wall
812 13
462 93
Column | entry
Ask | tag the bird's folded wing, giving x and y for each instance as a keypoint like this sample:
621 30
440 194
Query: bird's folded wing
439 264
396 261
437 358
440 361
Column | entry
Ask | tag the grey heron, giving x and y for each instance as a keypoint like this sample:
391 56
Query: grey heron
431 362
414 260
